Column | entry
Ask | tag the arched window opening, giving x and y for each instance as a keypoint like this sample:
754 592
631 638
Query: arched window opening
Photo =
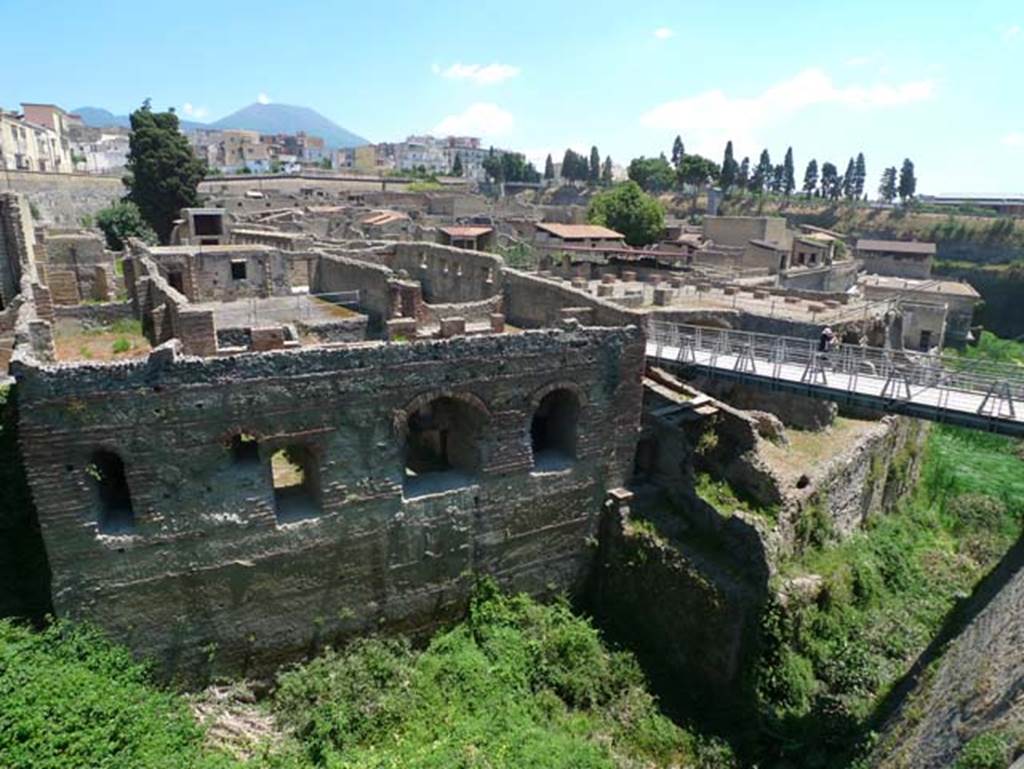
244 448
443 445
114 499
553 430
296 478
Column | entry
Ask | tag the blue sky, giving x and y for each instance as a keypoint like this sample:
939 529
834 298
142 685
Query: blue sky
941 82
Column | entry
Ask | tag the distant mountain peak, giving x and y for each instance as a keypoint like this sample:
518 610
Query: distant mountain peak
277 118
266 118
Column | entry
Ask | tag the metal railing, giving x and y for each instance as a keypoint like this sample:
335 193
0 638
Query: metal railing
945 382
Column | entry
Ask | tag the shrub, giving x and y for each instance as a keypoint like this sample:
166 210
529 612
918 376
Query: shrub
121 221
989 750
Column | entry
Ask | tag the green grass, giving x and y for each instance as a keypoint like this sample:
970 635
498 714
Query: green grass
887 593
516 684
723 497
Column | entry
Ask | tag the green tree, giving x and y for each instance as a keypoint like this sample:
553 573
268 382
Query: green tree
743 175
730 168
163 173
697 172
860 176
908 182
652 174
626 208
830 181
678 152
575 167
549 168
762 175
811 178
606 171
121 221
849 180
594 171
887 187
788 174
457 165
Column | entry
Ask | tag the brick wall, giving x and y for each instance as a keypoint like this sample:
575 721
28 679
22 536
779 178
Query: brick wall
208 563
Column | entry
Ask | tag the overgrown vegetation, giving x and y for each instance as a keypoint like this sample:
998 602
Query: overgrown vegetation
723 497
885 594
516 684
121 221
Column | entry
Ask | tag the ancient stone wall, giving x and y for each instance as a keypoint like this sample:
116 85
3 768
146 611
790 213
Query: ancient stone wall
65 198
449 275
532 302
336 273
209 568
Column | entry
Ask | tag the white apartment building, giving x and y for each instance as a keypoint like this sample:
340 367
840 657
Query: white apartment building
27 145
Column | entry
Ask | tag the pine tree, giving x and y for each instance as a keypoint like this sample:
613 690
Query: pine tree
762 175
678 151
606 171
743 175
811 178
163 173
549 168
860 175
788 181
457 165
908 182
887 187
830 181
729 168
847 181
595 166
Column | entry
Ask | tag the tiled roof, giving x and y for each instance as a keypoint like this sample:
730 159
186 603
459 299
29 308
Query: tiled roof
578 231
896 246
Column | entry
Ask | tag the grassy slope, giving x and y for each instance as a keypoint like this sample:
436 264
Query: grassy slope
517 684
887 593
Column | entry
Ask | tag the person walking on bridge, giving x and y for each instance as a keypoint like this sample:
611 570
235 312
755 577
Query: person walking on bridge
827 340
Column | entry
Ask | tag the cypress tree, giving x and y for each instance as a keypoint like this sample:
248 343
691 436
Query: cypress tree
729 168
788 180
811 177
678 151
606 171
549 168
908 182
595 166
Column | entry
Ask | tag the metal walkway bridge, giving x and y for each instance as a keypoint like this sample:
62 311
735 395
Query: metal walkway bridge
941 388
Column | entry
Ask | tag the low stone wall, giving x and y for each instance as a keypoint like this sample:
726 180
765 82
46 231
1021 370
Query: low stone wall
334 331
95 314
449 275
532 302
473 312
335 273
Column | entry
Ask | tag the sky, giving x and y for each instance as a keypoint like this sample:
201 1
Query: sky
938 81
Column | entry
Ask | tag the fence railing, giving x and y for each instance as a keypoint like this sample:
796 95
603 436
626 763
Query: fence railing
904 374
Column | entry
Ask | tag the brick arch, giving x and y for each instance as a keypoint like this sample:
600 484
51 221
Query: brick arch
563 384
401 416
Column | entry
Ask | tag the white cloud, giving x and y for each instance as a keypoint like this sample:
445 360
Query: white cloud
663 33
478 73
192 111
708 119
538 155
479 119
1011 32
1013 139
262 98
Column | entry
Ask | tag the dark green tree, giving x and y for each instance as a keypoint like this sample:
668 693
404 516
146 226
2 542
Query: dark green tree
743 175
788 173
860 176
730 168
549 168
698 172
457 165
121 221
163 173
594 170
811 178
606 171
678 152
762 176
908 182
628 209
887 187
652 174
830 181
849 180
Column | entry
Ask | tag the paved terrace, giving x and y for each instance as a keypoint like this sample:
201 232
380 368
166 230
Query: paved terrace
276 310
941 388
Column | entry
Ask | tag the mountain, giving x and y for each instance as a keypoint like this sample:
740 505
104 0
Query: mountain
289 119
265 118
97 117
